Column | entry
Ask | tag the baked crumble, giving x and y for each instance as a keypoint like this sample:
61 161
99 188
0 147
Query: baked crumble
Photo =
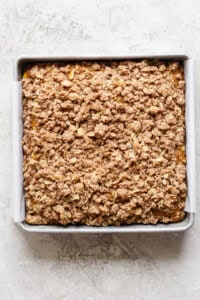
104 142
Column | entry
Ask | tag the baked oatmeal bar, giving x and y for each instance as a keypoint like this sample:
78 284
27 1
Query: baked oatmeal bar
104 142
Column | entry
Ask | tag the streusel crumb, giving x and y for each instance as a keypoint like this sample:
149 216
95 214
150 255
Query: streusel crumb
104 142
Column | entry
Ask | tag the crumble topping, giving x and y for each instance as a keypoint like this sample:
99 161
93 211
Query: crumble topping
104 142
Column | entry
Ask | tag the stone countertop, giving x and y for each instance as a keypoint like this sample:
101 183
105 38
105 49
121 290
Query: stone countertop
94 267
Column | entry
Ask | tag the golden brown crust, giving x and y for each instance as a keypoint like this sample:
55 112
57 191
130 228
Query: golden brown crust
104 143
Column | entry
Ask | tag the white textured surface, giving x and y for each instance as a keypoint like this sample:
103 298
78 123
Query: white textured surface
59 267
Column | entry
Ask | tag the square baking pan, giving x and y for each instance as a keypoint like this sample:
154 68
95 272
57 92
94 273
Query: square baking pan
18 201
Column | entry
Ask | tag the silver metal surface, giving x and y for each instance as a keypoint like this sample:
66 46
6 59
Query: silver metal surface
134 228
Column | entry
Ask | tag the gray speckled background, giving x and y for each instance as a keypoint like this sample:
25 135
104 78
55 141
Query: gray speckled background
90 267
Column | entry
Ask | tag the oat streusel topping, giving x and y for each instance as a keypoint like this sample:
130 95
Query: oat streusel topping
104 142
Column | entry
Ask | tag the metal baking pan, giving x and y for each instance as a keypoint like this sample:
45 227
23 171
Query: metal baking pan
18 201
